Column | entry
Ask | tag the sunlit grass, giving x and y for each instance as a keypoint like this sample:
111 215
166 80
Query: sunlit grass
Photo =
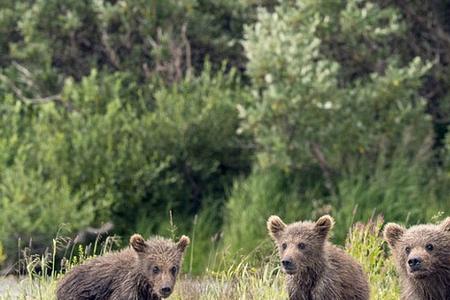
365 244
2 254
242 280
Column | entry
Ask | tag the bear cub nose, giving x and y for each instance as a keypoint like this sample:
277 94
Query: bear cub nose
287 264
415 262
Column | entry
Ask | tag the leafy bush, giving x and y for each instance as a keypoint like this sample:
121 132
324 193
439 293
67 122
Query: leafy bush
194 125
110 153
47 41
314 107
306 110
33 209
362 128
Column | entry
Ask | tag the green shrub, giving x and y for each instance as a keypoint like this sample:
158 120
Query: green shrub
114 153
44 42
306 110
194 125
33 209
363 127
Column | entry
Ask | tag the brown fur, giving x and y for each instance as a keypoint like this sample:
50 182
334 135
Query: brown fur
430 244
146 270
316 269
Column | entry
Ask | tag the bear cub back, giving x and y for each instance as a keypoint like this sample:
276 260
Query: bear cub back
316 269
147 270
422 257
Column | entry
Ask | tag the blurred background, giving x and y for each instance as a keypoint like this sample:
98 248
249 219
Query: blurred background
204 117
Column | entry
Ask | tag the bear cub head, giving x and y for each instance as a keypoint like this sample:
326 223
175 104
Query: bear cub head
300 244
159 261
422 251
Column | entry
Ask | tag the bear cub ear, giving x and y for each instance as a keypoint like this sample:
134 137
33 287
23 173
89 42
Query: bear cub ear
392 233
445 225
275 226
324 224
137 242
183 243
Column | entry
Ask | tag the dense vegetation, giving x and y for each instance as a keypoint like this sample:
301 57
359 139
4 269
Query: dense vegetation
221 112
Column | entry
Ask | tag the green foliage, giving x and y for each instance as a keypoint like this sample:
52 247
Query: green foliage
194 125
33 209
44 41
307 110
106 152
358 123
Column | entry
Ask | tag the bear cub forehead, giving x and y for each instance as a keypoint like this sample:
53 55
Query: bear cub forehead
397 235
422 235
300 230
312 231
159 249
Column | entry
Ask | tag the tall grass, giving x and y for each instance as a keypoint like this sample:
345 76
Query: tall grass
2 254
43 271
365 244
252 201
242 279
401 189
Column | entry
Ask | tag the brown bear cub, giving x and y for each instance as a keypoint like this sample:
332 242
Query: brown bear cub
316 269
422 256
146 270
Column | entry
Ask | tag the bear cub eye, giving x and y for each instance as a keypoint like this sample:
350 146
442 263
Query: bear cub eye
174 270
408 250
301 246
155 270
429 247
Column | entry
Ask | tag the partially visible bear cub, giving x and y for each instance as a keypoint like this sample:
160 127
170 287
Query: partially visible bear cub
422 256
316 269
145 271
